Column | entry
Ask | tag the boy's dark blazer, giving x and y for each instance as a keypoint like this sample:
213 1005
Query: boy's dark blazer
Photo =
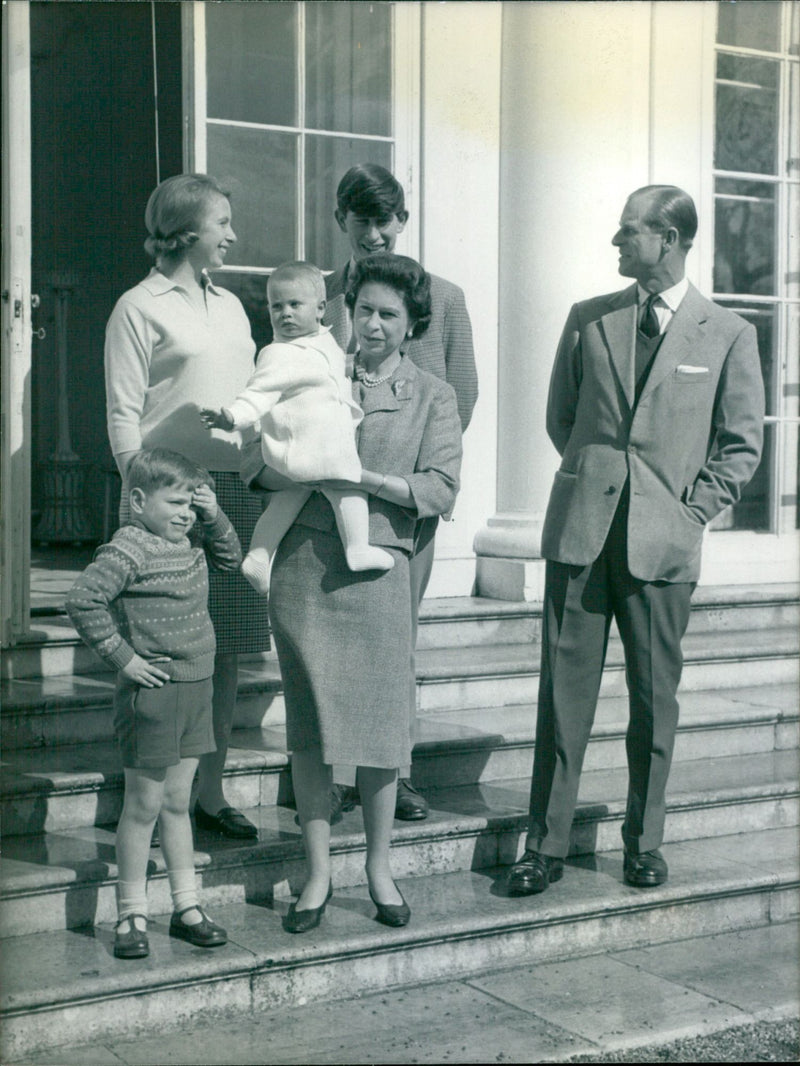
444 349
689 445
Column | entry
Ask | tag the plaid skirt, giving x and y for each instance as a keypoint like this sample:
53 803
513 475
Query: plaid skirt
239 613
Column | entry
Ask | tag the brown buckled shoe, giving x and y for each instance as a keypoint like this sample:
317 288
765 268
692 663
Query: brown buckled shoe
203 934
134 943
533 873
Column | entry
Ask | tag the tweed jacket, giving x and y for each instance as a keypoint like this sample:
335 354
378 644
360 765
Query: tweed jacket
444 349
410 428
688 447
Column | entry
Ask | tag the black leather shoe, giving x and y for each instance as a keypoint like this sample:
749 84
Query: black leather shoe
533 873
343 798
133 944
394 914
204 934
646 869
227 821
302 921
409 806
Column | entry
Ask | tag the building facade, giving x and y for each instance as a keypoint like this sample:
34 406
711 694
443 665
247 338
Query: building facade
517 129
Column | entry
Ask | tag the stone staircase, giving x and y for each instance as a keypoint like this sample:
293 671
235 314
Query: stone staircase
732 840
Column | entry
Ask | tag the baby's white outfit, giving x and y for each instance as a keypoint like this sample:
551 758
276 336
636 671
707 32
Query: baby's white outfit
302 398
300 394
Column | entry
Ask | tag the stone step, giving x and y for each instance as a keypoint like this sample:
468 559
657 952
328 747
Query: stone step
493 743
65 987
53 648
71 709
65 877
70 786
68 709
507 674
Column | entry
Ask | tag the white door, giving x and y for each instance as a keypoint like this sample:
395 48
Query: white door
16 326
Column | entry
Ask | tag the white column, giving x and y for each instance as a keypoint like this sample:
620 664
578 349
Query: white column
573 144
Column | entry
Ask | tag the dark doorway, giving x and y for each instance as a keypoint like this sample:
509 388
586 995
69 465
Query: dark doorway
104 128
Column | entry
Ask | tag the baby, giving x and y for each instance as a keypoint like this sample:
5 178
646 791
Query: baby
300 394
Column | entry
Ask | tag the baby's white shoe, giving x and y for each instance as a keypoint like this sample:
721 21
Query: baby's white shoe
255 568
369 558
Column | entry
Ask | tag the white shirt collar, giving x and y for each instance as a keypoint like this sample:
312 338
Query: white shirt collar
671 297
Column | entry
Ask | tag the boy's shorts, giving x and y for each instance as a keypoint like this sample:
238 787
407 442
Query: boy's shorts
157 727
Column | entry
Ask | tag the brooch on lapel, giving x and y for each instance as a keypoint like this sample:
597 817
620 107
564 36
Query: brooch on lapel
401 388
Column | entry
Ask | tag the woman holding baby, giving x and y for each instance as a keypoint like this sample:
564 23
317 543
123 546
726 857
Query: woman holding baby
344 637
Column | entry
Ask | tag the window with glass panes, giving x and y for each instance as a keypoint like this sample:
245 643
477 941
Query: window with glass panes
756 238
295 94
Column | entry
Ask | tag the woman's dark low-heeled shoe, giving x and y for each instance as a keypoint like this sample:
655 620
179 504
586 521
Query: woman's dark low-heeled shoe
134 944
302 921
394 914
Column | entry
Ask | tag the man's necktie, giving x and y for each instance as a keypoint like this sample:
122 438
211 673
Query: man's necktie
649 324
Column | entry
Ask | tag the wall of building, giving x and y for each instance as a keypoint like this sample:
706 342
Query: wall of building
559 110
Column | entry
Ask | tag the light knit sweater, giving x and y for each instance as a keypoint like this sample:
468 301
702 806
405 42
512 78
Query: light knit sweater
304 402
165 360
144 595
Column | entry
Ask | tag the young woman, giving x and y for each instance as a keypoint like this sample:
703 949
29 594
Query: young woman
176 343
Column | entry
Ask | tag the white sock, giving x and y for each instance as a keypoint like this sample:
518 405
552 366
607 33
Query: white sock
255 568
368 558
183 885
132 899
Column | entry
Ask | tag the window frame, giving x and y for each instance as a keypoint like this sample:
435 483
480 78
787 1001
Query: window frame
406 102
783 423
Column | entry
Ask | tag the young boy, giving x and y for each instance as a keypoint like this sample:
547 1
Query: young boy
302 397
142 605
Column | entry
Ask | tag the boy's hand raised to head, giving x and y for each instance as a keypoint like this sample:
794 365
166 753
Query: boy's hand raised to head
205 503
145 673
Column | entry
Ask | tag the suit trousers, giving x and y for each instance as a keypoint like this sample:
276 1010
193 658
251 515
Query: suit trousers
420 566
651 617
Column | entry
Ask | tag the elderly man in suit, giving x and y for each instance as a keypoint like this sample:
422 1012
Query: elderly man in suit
371 212
656 405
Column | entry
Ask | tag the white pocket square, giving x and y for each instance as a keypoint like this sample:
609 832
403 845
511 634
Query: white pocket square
687 368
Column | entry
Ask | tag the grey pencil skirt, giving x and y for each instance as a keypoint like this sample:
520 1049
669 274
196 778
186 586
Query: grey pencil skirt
344 646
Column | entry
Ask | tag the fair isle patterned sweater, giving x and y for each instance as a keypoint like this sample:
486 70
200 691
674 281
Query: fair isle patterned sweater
144 595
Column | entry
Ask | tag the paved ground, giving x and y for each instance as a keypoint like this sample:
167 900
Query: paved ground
685 999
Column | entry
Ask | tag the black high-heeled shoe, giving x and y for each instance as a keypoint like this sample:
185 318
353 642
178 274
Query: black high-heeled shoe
394 914
302 921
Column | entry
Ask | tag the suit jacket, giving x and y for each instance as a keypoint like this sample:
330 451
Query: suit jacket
444 349
410 428
688 447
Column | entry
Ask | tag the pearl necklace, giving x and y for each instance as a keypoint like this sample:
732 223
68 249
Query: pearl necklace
371 383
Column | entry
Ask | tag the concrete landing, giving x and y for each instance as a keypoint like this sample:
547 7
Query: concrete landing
547 1012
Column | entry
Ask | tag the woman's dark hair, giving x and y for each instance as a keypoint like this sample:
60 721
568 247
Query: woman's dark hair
370 191
397 272
161 468
174 211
